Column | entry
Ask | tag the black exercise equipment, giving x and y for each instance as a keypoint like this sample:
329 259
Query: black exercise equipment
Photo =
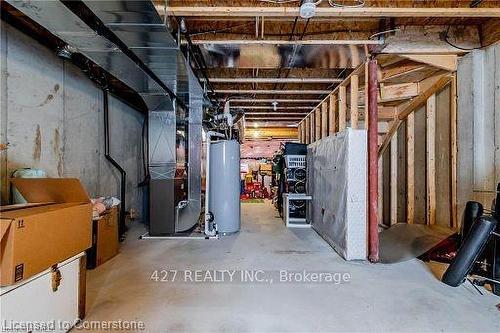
472 211
474 244
496 248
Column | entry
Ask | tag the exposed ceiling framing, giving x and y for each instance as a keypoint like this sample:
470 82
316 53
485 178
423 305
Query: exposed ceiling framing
248 38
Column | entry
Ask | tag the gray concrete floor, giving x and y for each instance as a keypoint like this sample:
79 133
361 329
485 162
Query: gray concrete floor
400 297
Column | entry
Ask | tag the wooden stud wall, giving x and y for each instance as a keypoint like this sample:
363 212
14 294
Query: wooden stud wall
411 189
419 175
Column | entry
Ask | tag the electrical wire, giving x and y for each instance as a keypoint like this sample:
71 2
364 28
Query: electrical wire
359 3
279 2
384 32
220 30
459 47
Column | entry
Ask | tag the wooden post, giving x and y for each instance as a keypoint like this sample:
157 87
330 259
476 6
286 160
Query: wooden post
431 159
372 109
453 150
331 115
324 119
307 128
303 131
366 95
313 132
354 101
410 168
317 121
394 179
299 132
342 108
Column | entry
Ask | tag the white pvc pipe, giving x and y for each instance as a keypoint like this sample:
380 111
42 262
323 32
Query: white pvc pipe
210 134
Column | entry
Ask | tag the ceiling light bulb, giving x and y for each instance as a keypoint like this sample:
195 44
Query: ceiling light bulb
307 9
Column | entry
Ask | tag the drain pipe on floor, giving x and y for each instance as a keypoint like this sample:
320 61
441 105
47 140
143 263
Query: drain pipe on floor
209 218
123 175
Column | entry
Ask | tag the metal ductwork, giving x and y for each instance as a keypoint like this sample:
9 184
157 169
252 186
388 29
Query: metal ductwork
146 58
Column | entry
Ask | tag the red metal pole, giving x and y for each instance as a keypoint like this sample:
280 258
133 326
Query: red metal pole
372 162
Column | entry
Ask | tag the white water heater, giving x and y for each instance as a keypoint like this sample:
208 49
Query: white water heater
224 198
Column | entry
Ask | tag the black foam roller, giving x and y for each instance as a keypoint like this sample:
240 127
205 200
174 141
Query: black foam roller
469 251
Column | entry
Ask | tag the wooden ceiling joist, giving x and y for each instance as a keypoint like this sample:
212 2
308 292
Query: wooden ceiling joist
288 114
255 107
287 42
273 80
370 12
279 92
270 100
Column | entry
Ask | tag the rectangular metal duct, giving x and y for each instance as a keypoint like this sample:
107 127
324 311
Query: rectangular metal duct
174 131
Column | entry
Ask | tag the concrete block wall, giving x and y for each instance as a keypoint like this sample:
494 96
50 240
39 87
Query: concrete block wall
478 126
52 119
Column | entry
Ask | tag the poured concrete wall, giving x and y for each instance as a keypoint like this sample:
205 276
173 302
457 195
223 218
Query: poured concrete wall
478 126
52 119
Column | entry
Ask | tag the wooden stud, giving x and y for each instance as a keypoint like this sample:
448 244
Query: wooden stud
317 121
410 168
431 159
313 132
308 131
394 179
324 120
332 123
304 134
354 101
301 140
453 150
342 108
366 96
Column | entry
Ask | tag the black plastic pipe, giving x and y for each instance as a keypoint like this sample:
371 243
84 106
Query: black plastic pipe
123 175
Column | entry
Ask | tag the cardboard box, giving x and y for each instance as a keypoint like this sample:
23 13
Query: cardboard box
105 242
36 237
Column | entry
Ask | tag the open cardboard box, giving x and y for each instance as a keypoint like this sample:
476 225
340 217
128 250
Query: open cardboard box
35 237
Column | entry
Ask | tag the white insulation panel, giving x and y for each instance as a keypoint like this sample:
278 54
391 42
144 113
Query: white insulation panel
337 181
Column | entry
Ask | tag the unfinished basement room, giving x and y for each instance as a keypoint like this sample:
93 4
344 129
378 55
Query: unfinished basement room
250 166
